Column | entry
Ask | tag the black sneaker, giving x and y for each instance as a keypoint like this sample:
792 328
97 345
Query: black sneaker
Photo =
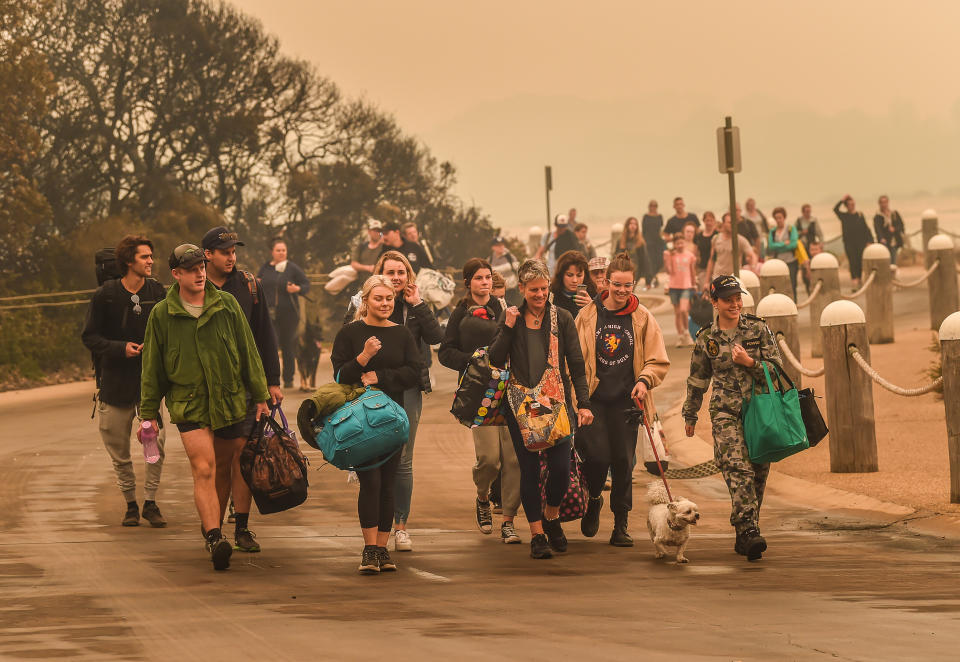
484 516
590 523
620 537
244 541
220 550
151 513
369 561
386 563
539 547
132 516
753 544
554 531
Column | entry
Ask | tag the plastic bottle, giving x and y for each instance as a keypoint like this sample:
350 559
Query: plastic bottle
148 437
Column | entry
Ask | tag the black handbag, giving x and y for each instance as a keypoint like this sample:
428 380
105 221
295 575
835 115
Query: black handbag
812 418
273 467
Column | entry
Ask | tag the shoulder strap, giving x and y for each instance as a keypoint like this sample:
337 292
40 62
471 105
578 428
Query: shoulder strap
252 286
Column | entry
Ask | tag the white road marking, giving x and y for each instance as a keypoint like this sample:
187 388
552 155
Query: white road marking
428 575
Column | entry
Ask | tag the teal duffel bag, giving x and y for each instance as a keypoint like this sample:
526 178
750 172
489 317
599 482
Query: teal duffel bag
772 424
359 434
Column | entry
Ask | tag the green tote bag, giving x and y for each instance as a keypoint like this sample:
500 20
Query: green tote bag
772 424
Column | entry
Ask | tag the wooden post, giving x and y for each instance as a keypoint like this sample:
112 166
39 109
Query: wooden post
775 276
750 282
748 305
876 257
942 285
823 267
853 436
780 313
534 237
950 363
928 228
615 231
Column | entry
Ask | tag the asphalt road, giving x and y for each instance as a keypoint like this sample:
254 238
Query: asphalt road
76 585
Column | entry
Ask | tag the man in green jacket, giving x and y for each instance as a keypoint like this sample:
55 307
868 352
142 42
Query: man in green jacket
199 354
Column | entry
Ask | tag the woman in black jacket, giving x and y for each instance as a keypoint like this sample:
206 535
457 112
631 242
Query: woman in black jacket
411 311
376 351
524 338
472 325
568 277
283 283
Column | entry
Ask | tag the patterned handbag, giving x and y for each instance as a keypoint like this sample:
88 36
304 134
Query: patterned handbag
574 503
541 411
479 395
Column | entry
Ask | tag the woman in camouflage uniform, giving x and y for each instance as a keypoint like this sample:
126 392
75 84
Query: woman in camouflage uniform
729 353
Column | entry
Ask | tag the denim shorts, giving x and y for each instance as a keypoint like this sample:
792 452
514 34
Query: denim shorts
678 294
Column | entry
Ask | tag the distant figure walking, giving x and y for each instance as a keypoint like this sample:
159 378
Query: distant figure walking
811 236
283 283
652 229
856 236
782 245
633 244
889 228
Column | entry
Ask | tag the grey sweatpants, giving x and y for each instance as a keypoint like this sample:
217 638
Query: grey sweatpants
116 429
495 454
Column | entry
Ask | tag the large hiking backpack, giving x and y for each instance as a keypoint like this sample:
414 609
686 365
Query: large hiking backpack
107 266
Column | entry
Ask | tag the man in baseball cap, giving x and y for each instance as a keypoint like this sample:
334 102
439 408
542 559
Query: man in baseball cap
220 237
597 266
186 256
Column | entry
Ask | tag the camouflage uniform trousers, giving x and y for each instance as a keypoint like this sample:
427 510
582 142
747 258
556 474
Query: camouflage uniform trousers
745 480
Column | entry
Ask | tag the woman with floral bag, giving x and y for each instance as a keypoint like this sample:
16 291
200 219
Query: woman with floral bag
540 341
624 359
472 325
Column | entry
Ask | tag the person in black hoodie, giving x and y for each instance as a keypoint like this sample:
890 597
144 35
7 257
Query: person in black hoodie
113 332
219 247
856 236
524 337
472 325
569 276
411 311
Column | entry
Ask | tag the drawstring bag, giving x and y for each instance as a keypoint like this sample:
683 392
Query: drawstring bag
574 503
480 395
772 424
541 411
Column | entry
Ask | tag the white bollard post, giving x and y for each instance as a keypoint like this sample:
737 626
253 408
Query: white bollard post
534 237
615 231
853 434
950 364
823 268
775 277
942 286
876 257
748 305
929 227
750 282
780 313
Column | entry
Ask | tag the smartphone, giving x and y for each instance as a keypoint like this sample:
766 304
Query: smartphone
581 289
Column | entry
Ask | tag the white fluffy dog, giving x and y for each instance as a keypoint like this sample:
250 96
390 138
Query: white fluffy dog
669 521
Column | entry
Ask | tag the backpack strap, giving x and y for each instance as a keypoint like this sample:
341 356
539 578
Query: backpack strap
252 286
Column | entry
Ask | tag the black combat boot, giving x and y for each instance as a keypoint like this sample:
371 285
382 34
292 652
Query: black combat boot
590 523
753 544
620 537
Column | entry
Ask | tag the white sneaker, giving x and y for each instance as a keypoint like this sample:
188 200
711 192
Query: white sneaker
401 541
508 535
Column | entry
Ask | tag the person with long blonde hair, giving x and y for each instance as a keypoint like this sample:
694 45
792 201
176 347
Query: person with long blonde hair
375 351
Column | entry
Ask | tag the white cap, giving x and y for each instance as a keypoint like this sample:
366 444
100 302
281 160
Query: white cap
950 329
876 252
929 213
824 261
776 305
842 312
748 279
940 242
774 267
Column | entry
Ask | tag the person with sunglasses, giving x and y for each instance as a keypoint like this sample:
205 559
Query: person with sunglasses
113 332
200 356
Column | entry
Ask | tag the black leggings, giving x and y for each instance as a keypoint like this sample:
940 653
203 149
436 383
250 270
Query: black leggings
288 344
558 471
610 443
375 503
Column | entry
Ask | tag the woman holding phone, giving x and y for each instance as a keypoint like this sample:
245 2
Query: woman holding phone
572 287
410 311
528 337
374 350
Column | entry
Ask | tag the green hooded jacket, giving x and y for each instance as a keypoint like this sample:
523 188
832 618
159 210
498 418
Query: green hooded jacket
203 366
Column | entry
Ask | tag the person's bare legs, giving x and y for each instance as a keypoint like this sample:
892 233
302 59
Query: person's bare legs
224 454
198 445
242 498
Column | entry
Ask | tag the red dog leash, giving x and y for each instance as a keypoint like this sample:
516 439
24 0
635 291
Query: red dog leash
653 445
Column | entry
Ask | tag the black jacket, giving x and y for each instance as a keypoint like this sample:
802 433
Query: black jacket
258 317
110 324
856 234
457 347
512 344
885 236
282 303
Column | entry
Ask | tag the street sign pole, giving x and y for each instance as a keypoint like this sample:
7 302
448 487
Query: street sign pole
728 153
548 175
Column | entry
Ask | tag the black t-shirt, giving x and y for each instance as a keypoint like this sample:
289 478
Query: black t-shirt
703 243
615 347
675 224
397 364
566 241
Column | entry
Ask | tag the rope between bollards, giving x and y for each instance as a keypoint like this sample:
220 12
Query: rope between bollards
794 361
893 388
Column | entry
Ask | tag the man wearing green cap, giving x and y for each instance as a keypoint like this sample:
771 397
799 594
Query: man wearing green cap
199 354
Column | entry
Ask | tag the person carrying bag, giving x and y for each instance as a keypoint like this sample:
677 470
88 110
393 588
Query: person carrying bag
272 465
772 425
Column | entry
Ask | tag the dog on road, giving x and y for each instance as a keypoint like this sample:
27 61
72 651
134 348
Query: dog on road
669 521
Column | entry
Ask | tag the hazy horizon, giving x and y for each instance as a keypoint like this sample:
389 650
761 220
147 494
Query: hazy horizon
622 99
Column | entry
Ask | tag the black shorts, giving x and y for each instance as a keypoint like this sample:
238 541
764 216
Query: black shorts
241 429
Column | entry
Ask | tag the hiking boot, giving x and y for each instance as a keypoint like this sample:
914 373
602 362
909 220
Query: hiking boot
244 541
369 561
152 514
386 563
554 531
753 544
484 516
220 550
539 547
401 541
132 516
620 537
738 545
590 523
508 534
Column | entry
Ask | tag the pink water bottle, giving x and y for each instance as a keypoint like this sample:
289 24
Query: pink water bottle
148 437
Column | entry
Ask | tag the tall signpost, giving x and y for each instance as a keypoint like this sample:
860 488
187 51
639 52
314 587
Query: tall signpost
728 154
548 174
